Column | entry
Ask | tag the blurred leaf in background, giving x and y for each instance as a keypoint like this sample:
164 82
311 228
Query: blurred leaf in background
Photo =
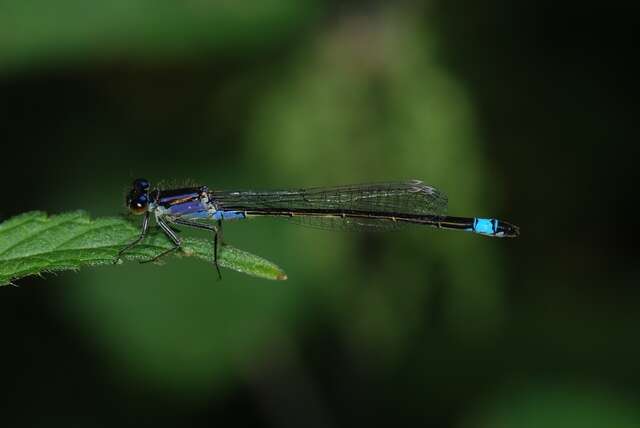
555 405
40 33
370 102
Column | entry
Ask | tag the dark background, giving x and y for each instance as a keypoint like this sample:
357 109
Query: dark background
523 112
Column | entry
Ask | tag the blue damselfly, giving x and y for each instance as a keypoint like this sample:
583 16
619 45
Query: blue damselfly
376 206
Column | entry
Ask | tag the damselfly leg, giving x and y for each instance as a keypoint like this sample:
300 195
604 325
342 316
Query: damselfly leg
171 234
217 236
143 233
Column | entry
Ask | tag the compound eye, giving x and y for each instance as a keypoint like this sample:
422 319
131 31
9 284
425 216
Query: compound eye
138 205
141 184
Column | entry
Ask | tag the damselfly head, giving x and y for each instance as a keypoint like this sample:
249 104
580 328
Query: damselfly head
141 184
138 197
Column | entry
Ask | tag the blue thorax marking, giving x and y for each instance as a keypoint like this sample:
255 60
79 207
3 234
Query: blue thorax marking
196 209
189 207
485 226
228 215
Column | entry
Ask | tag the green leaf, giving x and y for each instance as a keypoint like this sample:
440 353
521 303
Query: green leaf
34 243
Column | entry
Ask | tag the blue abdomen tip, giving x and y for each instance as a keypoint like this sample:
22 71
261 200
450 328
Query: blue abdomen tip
485 226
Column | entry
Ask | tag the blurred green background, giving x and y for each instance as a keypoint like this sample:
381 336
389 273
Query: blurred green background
522 112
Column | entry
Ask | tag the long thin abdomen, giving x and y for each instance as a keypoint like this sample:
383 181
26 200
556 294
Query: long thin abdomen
482 226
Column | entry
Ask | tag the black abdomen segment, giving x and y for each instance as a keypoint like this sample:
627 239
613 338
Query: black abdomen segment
501 228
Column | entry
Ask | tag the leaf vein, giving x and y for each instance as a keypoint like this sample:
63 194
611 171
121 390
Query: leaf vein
34 234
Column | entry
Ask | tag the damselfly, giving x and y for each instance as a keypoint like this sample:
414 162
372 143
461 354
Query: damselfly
377 206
